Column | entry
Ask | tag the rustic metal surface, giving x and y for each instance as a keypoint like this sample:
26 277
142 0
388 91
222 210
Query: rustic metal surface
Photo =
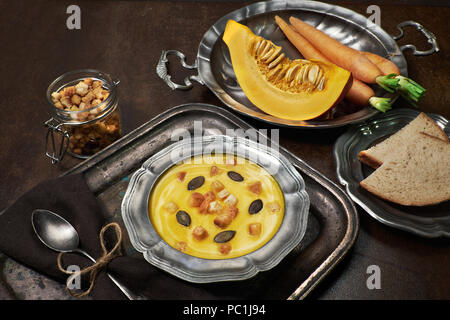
131 38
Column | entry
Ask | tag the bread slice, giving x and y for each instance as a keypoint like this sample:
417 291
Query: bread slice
419 175
376 155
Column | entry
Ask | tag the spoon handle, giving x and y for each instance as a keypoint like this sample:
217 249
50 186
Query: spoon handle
130 295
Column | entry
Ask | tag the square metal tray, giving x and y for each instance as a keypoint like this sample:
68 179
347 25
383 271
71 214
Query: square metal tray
332 223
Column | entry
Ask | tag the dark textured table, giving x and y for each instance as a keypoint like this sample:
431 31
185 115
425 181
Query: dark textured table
125 39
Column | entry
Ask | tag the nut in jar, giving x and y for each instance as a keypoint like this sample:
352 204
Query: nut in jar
85 111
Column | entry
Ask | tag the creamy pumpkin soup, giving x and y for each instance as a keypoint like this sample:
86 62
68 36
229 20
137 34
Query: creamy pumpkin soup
216 207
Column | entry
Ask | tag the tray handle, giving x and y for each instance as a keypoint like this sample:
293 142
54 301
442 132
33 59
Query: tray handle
431 38
163 73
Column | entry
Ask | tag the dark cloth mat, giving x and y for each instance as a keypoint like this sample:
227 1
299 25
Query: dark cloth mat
71 198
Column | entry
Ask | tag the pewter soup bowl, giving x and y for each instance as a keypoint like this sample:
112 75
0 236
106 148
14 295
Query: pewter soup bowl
156 251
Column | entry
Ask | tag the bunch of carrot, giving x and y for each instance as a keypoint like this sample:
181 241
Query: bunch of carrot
366 67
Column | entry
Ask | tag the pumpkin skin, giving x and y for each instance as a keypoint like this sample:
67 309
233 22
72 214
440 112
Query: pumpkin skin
275 94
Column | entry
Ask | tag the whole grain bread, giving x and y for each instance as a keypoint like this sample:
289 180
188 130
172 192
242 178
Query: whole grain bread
419 175
376 155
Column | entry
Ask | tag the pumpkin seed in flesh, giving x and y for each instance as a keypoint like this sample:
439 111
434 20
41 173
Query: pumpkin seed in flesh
274 56
290 73
305 74
321 83
312 74
255 47
319 76
282 73
297 74
261 47
274 71
265 49
276 61
268 55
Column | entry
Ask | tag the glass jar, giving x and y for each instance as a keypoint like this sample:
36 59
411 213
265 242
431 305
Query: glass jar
85 114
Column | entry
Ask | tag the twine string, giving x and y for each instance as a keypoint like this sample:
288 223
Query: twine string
98 266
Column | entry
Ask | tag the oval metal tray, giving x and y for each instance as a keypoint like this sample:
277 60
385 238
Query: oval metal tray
216 71
429 221
159 253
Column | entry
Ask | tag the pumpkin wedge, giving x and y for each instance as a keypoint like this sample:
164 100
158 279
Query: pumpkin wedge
289 89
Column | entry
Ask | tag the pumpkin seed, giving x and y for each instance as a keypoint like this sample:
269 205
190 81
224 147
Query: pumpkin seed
276 61
321 83
274 71
235 176
282 72
183 218
319 76
265 49
268 55
299 76
224 236
312 74
293 80
275 54
290 73
261 47
196 183
294 75
305 73
255 206
256 46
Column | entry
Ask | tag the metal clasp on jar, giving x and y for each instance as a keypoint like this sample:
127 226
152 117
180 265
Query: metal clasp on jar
55 153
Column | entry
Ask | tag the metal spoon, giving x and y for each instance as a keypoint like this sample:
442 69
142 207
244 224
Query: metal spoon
59 235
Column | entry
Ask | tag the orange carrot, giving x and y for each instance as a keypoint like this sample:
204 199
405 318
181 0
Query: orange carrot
302 45
360 66
341 55
385 65
359 93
